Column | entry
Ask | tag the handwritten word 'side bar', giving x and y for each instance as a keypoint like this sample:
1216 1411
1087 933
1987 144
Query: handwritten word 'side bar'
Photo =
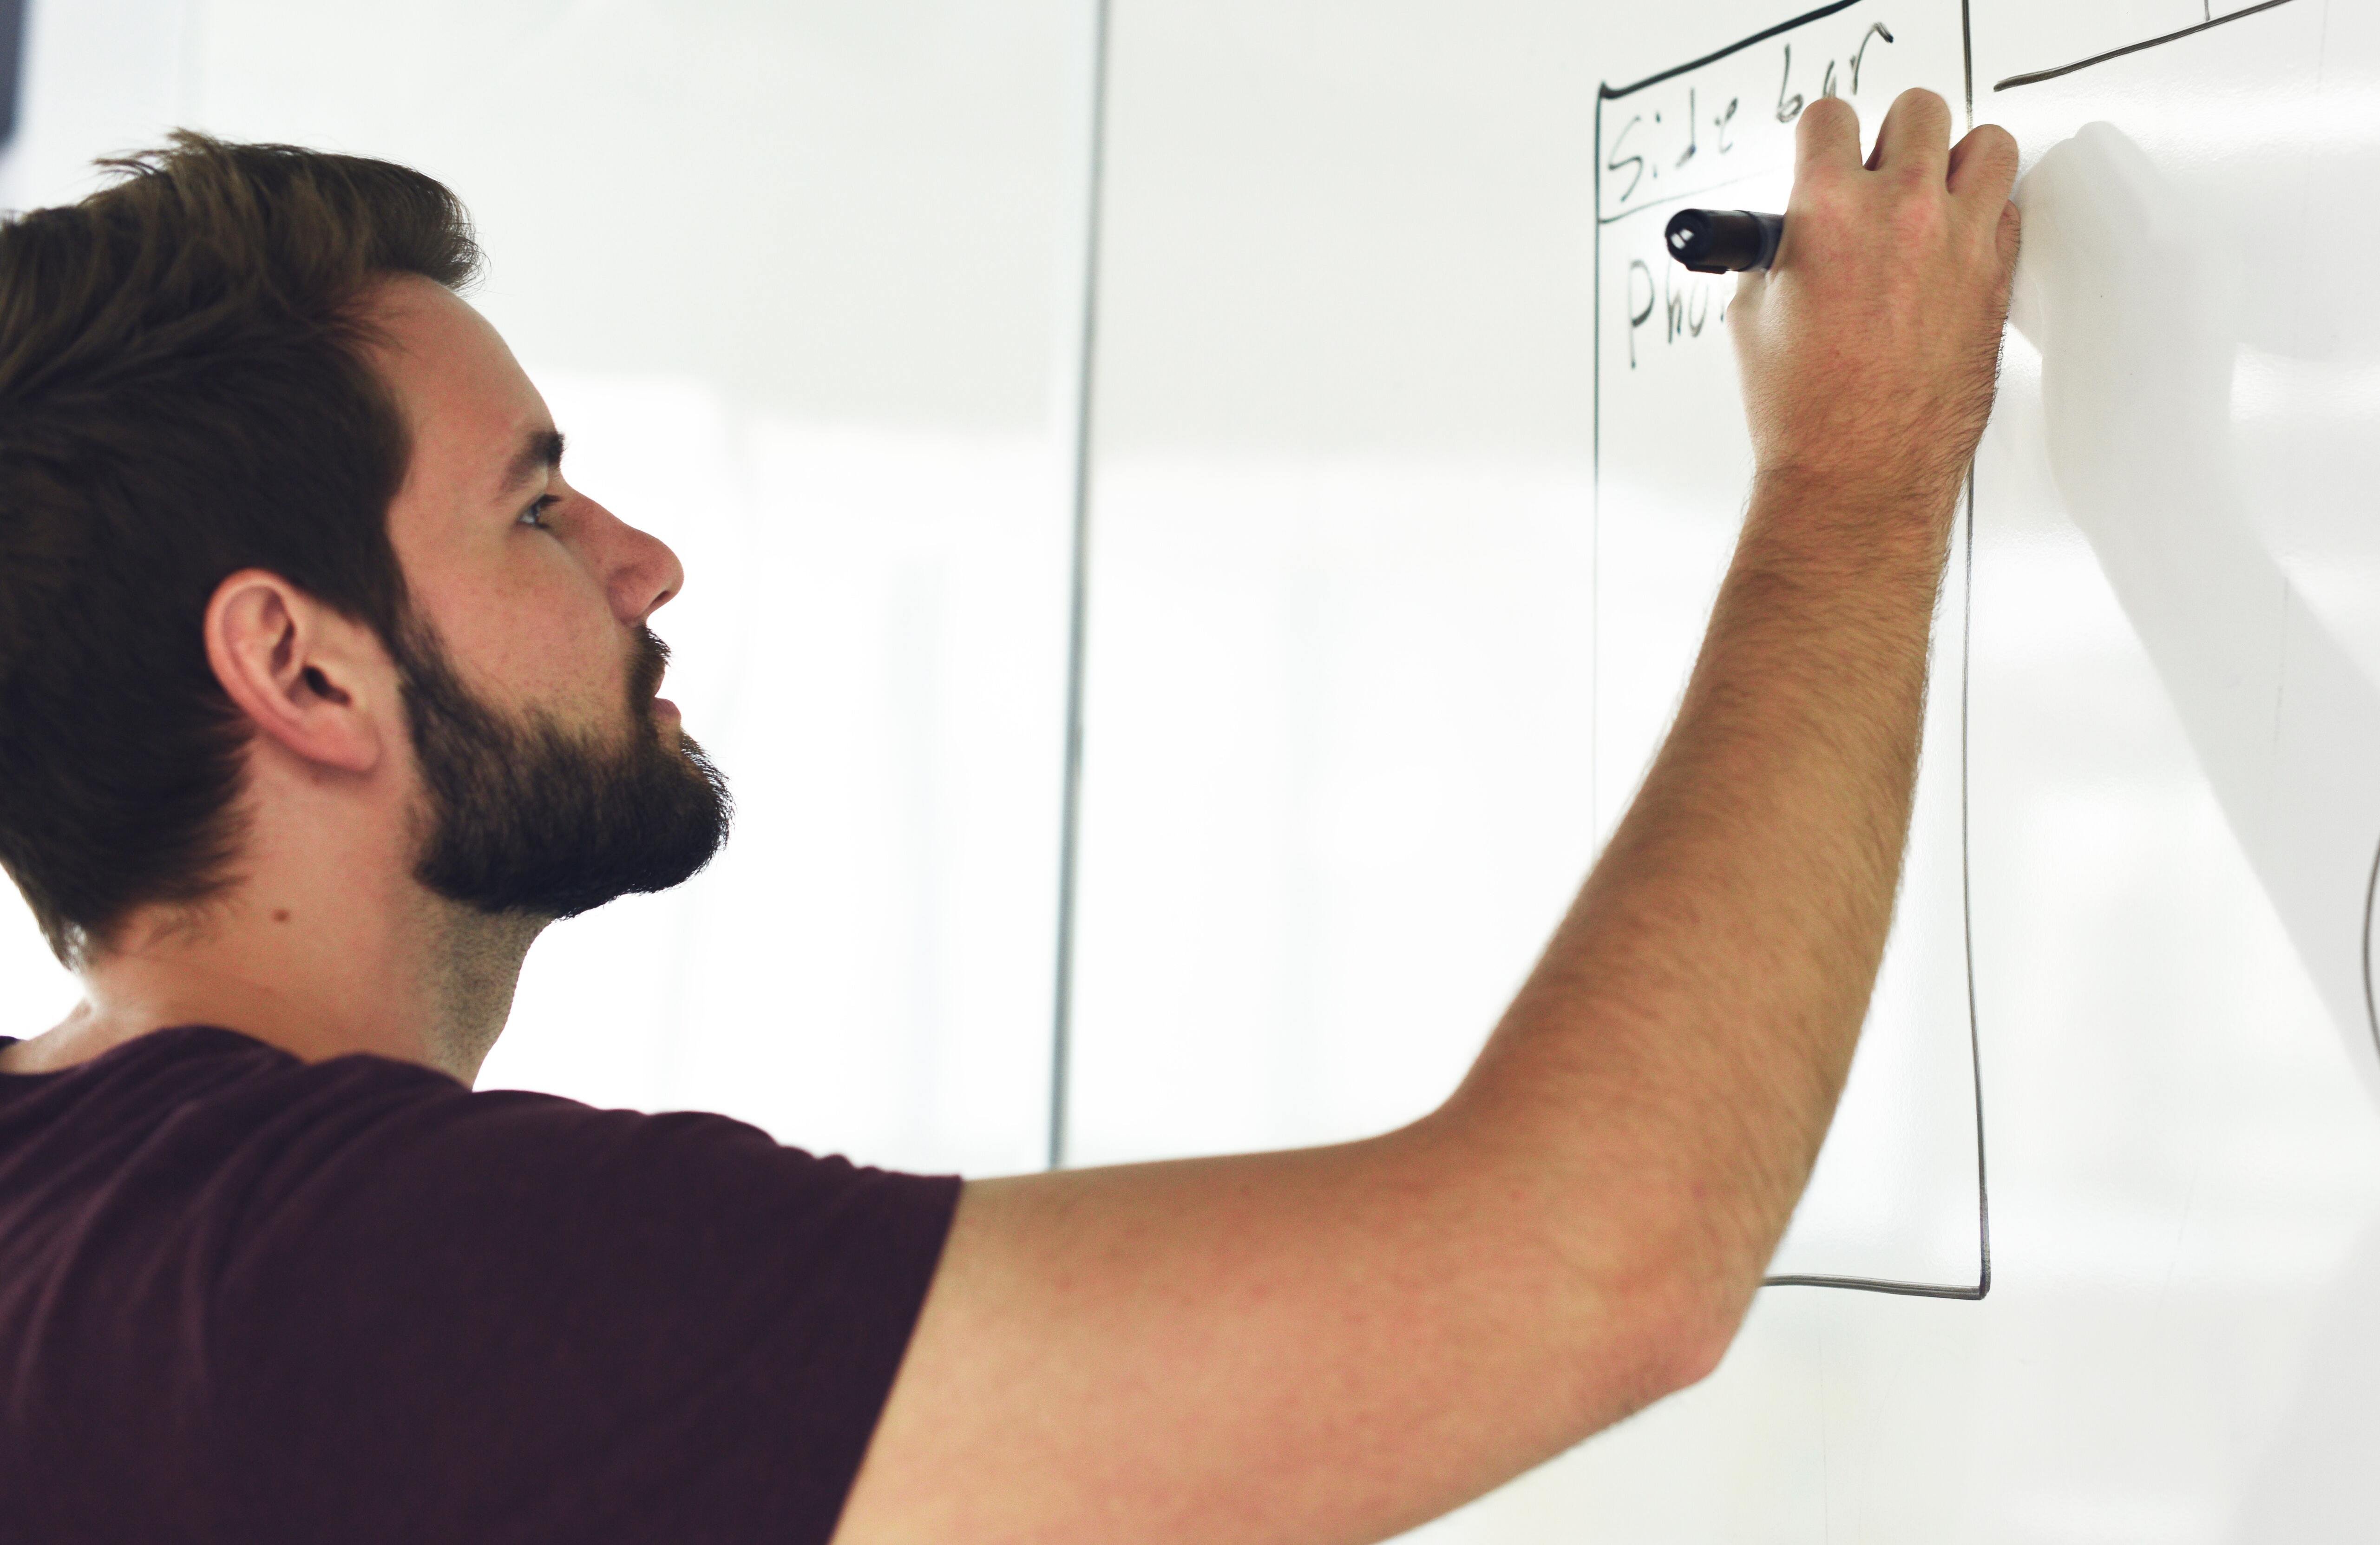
1722 240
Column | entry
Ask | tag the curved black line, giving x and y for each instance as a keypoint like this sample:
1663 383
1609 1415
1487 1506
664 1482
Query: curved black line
2041 75
2371 892
1967 907
1608 93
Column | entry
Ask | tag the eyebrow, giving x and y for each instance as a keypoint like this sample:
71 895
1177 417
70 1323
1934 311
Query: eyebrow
541 451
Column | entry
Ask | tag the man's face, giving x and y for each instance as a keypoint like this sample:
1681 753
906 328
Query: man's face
552 778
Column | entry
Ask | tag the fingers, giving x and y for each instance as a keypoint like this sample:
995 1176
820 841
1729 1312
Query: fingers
1983 166
1827 140
1916 136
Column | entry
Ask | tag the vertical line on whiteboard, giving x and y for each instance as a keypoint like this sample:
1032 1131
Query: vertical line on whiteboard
1061 1019
1967 898
2371 894
1595 523
1967 53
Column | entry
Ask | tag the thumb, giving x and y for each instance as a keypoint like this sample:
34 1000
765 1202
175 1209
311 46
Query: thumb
2011 236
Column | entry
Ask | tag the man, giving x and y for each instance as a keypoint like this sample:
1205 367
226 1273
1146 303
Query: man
322 692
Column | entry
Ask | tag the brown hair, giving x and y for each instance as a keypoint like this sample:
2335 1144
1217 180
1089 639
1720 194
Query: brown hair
184 393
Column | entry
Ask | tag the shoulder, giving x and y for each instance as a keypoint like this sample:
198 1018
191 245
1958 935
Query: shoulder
359 1160
664 1311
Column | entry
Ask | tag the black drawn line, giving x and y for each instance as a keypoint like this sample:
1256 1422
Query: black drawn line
1691 192
1637 319
1974 1031
1875 29
1595 501
1608 93
1880 1284
1967 54
1789 111
1616 162
1967 902
1061 1019
2040 75
2370 1004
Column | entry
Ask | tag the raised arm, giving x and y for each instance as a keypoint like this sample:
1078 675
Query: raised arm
1334 1345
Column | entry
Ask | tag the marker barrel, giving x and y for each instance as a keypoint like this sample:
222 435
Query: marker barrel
1723 240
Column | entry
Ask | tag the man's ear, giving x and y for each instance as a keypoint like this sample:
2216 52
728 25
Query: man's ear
312 680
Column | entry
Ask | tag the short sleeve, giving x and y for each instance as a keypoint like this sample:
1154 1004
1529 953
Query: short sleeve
507 1317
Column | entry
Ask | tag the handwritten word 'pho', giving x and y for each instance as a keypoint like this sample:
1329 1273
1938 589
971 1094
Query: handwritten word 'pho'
1682 299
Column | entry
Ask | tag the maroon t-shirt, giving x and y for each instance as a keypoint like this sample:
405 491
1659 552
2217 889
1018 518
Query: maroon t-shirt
246 1298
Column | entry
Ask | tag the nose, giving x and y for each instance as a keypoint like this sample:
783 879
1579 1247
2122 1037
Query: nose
645 573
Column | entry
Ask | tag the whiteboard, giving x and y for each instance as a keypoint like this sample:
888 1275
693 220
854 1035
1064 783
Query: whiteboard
2170 769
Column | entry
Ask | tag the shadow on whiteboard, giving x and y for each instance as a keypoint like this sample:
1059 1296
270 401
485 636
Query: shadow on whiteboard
2136 292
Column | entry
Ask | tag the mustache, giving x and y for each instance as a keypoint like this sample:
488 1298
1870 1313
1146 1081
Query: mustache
645 671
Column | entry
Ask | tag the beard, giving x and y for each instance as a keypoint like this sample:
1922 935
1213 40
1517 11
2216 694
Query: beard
529 818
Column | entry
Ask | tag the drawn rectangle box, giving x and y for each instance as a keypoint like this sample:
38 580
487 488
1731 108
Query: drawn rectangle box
1897 1201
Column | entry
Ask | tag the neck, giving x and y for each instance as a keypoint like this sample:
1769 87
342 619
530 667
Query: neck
416 978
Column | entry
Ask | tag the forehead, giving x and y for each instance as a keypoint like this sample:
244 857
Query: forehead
464 398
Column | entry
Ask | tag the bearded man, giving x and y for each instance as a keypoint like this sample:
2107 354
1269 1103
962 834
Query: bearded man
322 692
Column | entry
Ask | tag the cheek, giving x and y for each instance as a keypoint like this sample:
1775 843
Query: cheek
536 632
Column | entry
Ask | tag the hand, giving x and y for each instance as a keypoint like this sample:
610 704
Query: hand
1869 351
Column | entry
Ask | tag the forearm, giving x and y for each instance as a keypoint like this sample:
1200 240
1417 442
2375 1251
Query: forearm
1678 1051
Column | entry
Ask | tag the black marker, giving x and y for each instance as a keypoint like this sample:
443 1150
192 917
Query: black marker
1722 240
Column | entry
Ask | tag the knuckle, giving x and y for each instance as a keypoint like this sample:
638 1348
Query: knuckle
1825 200
1909 177
1918 222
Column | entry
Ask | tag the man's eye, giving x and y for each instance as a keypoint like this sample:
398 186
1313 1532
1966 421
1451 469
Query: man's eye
535 514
